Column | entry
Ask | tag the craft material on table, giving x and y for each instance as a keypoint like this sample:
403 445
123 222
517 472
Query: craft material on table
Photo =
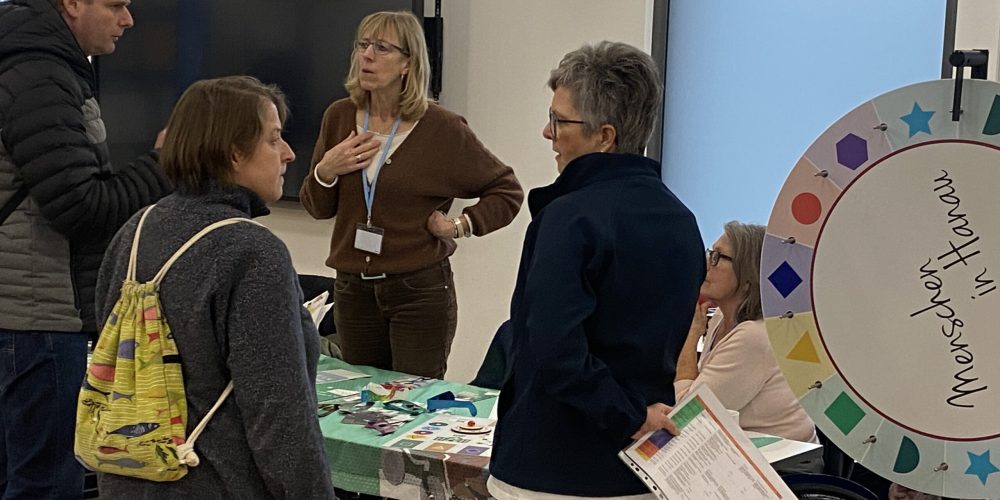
407 383
450 434
377 392
447 400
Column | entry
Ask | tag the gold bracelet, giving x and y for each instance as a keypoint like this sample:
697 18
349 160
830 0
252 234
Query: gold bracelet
459 227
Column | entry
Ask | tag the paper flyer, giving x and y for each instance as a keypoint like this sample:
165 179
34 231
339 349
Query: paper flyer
776 449
338 375
318 307
450 434
711 458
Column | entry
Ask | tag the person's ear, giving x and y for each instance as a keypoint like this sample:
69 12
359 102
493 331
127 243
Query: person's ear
72 8
236 159
608 134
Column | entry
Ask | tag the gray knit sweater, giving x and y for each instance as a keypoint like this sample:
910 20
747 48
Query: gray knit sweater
235 308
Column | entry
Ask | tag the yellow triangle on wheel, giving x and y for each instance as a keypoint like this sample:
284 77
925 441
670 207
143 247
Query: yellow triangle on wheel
804 350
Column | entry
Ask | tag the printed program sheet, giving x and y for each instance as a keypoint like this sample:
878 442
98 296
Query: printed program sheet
710 458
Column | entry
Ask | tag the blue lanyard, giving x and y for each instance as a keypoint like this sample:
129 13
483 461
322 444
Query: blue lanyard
369 189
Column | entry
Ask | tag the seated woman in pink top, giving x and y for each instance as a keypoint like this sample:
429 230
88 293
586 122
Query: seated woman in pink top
737 362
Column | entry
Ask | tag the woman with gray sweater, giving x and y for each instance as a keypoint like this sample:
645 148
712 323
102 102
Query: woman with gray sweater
232 301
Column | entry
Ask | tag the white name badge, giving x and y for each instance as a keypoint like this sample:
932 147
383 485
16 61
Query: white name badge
369 239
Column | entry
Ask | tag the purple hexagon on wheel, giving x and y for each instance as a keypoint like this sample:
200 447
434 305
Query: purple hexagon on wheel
852 151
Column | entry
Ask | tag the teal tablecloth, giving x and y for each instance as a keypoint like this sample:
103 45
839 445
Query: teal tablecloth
360 463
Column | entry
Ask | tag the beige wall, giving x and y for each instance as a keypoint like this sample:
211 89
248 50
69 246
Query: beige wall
978 27
497 58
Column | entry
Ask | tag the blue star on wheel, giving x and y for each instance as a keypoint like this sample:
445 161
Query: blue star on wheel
918 120
981 466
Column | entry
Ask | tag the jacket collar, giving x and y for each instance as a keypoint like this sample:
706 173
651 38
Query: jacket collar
591 169
36 26
238 197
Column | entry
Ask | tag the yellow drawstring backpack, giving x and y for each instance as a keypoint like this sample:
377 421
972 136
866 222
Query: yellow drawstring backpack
131 416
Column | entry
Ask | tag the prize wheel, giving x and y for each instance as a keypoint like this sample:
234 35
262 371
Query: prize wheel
879 281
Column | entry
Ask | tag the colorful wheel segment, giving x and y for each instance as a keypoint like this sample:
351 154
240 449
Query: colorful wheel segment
879 286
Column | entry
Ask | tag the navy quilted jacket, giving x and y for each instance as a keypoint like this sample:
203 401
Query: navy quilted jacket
609 274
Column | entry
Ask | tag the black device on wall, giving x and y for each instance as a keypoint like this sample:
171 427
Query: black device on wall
303 46
434 33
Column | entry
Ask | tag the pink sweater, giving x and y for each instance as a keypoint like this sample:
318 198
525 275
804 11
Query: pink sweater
742 371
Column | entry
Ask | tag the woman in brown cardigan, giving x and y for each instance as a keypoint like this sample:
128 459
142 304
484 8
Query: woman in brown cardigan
388 164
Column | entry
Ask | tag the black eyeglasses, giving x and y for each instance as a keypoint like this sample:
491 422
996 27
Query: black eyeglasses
554 121
381 47
715 255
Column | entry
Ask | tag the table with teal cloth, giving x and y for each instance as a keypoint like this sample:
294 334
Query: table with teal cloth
359 462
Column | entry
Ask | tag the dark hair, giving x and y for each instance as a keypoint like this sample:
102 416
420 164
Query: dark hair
613 83
212 120
748 242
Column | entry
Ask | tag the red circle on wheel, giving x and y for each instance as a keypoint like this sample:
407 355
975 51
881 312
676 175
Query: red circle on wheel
806 208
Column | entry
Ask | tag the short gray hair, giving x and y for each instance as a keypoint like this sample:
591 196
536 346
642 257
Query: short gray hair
613 83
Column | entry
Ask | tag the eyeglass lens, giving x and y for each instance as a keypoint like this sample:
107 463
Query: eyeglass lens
381 48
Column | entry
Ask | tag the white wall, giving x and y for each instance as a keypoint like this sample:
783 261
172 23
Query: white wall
978 27
497 57
308 239
738 117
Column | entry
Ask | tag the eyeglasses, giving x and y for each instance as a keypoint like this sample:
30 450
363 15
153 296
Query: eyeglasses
715 255
380 47
554 121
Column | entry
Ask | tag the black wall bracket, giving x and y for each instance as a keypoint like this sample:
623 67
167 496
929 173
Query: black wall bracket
434 34
975 59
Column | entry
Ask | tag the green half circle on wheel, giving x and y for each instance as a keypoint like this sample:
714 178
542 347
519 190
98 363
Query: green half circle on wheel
907 457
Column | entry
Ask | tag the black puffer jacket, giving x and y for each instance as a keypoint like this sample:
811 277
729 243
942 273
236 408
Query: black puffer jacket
53 141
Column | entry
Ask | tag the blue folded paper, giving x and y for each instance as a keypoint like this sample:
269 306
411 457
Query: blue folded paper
447 400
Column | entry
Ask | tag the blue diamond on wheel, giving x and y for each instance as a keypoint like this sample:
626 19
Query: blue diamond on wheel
785 279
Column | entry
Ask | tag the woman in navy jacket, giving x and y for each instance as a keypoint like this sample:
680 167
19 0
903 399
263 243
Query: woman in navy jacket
609 275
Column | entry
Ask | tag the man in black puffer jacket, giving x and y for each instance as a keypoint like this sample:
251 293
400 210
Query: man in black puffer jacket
63 202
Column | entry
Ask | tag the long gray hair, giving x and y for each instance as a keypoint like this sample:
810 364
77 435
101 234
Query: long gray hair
748 242
613 83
